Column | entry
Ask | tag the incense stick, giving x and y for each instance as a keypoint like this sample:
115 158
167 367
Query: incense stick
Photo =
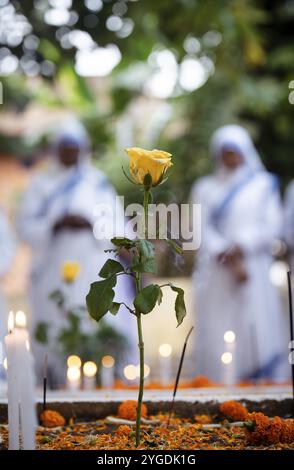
255 353
179 374
291 322
45 381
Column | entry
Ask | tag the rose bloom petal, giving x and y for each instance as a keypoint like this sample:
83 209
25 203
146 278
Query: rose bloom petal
152 162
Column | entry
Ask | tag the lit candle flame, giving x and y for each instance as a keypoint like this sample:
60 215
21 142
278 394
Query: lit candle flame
130 372
229 336
108 361
10 322
89 369
227 358
20 319
73 374
165 350
74 361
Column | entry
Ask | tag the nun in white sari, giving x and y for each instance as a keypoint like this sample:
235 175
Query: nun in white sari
241 217
57 219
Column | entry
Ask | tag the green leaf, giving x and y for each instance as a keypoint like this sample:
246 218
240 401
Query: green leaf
74 321
41 332
114 308
58 297
100 297
123 242
45 440
161 180
145 261
249 425
180 306
70 339
160 295
174 245
146 299
128 177
49 50
110 267
77 93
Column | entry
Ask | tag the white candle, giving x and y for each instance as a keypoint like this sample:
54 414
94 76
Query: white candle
228 358
89 375
107 372
27 403
3 363
12 386
130 372
165 363
21 384
27 383
74 364
73 378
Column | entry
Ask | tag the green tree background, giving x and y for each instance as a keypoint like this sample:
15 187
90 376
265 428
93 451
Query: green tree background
248 45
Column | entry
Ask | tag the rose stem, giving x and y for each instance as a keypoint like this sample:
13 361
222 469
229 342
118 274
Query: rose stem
139 328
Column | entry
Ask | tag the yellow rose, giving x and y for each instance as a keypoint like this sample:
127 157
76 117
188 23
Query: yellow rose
70 271
152 162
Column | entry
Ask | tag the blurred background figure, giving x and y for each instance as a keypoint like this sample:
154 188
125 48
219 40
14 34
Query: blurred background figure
57 219
6 257
241 217
289 223
141 73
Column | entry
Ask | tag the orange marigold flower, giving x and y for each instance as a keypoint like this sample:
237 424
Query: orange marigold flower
51 419
128 410
264 430
200 381
124 430
287 433
274 433
234 410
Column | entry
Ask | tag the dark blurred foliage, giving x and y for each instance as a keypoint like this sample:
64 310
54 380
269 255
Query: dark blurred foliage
254 64
103 340
93 344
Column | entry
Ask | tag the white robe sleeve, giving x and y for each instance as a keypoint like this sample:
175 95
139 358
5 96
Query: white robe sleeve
212 241
289 216
33 226
7 246
260 236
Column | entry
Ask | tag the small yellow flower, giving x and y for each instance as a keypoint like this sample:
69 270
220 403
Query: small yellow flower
152 162
70 271
254 53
